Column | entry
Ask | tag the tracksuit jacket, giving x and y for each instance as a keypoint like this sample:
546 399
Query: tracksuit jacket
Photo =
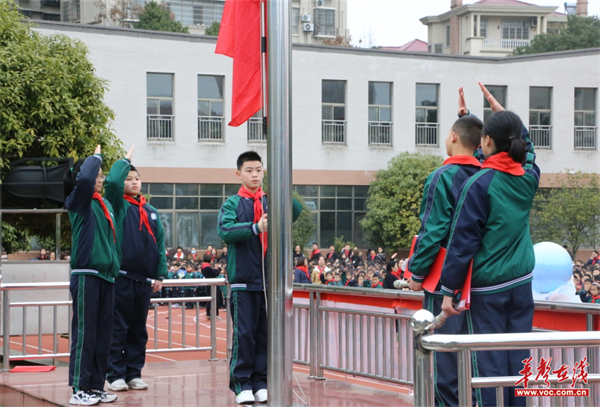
497 240
94 249
244 250
441 188
142 257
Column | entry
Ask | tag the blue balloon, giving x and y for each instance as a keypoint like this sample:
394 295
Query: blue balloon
553 267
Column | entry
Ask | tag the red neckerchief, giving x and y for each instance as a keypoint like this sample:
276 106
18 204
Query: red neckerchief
372 256
502 162
595 260
98 197
347 253
329 255
376 285
463 160
205 265
143 214
397 274
178 256
597 297
258 210
315 252
305 269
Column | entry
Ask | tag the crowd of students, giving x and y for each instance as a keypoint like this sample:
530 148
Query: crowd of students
586 278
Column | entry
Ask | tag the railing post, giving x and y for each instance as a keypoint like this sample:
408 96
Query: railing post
315 338
422 323
213 322
464 377
6 330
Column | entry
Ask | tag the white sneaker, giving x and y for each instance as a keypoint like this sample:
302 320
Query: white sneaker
84 398
105 397
118 385
137 384
245 397
261 396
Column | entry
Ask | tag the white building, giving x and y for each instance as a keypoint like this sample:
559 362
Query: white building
353 110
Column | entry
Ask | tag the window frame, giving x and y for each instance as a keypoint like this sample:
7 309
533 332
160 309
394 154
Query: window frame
378 126
333 131
211 124
541 134
161 124
324 30
431 128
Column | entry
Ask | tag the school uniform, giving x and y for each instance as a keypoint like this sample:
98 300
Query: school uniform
238 227
491 227
95 260
141 238
301 275
441 188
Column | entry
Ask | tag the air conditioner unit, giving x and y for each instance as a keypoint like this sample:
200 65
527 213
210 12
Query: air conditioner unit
533 22
319 3
305 18
308 27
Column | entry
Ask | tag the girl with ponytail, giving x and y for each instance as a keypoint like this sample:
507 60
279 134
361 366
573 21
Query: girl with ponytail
490 227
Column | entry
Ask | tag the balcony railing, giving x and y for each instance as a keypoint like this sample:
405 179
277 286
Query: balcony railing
426 134
160 127
333 131
255 130
585 137
503 45
380 133
541 136
210 128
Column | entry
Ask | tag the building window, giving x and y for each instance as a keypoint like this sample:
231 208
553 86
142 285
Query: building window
438 49
447 36
380 113
540 116
515 30
159 106
198 12
210 108
426 118
324 22
255 129
333 112
499 93
482 28
585 118
337 211
295 20
189 212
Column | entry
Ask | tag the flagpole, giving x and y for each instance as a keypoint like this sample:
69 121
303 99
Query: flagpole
280 365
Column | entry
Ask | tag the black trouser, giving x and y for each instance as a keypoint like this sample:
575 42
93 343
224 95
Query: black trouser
248 365
219 301
128 348
91 330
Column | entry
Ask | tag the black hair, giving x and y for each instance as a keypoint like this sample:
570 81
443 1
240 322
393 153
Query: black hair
247 156
468 129
390 265
300 260
70 177
585 280
207 258
132 168
179 247
505 129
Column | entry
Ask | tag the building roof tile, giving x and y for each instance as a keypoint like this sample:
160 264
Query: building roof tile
415 45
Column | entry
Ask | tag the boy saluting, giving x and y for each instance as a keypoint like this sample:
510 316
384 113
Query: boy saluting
243 227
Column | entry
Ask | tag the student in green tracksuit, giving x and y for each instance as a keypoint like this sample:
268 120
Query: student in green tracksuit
95 259
490 226
441 188
142 269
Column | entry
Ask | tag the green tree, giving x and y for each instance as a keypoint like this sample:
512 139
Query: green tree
51 105
157 18
394 199
304 226
213 29
579 33
569 212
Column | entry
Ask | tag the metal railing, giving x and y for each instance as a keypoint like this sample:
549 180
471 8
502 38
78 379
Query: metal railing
6 290
255 130
541 136
333 131
160 127
210 128
426 134
422 324
585 137
380 133
503 45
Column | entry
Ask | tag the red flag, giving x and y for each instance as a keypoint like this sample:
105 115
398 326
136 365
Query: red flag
239 38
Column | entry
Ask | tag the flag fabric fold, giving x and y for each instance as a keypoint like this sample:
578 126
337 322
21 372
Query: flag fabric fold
240 39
